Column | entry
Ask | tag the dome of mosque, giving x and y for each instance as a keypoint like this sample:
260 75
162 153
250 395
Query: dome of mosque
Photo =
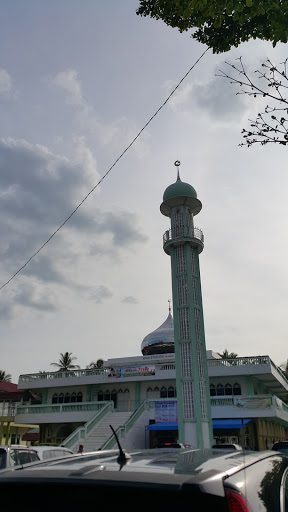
160 341
179 189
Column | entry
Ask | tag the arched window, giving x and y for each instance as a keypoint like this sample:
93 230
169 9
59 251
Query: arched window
163 392
79 397
107 395
212 390
171 392
236 389
61 398
100 396
55 398
220 390
73 397
67 398
228 389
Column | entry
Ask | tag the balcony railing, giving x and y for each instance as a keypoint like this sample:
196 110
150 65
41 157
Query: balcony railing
61 408
32 377
239 361
7 409
183 231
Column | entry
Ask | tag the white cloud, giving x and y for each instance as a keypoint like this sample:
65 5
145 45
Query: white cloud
69 82
5 83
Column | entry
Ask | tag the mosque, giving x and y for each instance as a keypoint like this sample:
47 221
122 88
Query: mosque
176 391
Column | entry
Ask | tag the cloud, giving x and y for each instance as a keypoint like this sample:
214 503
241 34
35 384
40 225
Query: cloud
38 191
118 133
130 300
69 82
5 83
215 97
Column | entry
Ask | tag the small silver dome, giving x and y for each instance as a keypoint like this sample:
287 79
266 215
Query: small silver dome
160 341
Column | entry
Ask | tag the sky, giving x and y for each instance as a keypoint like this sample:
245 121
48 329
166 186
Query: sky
78 81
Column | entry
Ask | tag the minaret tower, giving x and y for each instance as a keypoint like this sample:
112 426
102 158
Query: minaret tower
183 242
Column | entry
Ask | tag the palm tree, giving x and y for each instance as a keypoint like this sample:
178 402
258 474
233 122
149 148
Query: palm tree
284 368
95 364
5 377
227 355
66 362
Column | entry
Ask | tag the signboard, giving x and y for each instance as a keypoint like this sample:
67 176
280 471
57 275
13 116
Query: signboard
253 402
132 371
165 410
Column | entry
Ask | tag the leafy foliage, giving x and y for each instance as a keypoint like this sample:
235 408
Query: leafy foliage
66 362
222 24
5 377
227 355
271 125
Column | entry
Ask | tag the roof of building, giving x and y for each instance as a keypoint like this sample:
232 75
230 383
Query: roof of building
7 387
160 341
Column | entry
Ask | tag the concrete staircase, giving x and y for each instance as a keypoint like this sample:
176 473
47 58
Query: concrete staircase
97 437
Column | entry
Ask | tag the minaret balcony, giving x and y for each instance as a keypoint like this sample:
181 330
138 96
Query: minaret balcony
183 234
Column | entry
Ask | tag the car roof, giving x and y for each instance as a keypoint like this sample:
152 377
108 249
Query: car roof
157 461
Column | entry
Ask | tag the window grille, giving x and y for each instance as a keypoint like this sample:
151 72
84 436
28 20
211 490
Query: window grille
228 389
180 259
190 224
188 399
195 290
197 323
186 361
183 320
212 390
200 359
236 389
182 290
193 260
203 404
177 223
220 390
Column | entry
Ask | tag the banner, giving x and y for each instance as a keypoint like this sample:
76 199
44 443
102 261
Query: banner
165 410
132 371
253 402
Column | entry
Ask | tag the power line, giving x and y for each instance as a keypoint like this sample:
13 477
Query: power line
107 172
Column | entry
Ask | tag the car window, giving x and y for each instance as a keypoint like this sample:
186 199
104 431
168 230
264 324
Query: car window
14 457
33 456
47 454
24 457
3 457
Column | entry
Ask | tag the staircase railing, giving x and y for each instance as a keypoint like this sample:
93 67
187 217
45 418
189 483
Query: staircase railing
81 432
123 430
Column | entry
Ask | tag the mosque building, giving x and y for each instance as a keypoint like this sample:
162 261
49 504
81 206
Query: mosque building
176 391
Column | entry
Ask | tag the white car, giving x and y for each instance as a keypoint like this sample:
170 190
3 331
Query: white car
50 452
15 455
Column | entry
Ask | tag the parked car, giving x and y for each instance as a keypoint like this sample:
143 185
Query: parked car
50 452
153 479
281 446
227 446
15 455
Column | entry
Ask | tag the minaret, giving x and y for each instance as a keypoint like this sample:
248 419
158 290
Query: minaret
183 242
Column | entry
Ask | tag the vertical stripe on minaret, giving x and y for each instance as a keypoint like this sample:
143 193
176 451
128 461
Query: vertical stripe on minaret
183 242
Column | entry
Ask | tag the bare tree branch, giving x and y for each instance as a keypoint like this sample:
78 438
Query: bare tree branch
270 126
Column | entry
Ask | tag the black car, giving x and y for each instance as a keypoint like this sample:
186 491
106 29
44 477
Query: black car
159 479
